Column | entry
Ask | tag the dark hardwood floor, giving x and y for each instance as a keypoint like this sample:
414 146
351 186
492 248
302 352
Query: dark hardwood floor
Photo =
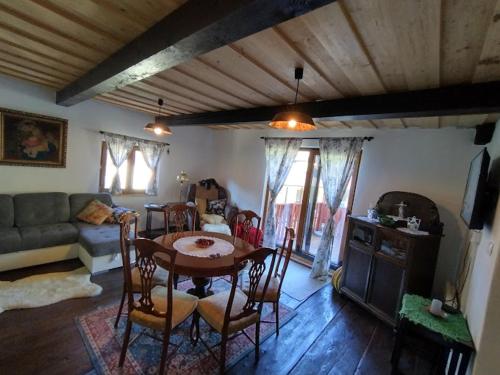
329 335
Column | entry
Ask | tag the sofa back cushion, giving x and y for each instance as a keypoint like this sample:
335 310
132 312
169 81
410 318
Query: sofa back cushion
78 202
6 211
41 208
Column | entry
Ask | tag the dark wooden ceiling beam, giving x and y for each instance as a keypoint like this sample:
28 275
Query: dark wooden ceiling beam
453 100
193 29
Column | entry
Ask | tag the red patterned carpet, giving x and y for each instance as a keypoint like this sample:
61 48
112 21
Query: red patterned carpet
103 342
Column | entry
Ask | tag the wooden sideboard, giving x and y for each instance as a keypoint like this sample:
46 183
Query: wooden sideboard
382 263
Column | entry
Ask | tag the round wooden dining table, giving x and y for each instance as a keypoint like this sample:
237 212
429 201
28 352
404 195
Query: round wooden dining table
201 269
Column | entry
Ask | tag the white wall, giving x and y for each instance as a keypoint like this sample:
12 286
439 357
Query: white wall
190 150
433 163
481 297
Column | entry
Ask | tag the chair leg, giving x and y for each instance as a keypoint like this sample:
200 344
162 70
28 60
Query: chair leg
164 353
176 280
223 354
195 328
277 310
120 308
126 339
257 339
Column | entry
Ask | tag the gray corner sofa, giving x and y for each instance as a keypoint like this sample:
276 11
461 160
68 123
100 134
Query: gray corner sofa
39 228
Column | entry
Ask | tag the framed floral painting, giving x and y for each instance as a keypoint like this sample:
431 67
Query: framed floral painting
32 140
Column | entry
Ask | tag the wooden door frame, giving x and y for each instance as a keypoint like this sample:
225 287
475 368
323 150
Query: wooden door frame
305 197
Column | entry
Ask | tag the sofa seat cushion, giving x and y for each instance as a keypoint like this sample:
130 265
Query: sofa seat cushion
100 240
217 228
41 208
47 235
10 240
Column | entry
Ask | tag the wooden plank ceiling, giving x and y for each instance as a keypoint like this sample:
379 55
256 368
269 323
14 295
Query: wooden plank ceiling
349 48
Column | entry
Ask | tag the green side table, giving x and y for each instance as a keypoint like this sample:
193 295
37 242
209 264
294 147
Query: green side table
450 333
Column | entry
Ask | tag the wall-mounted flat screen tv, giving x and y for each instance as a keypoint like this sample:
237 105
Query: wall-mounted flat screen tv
475 191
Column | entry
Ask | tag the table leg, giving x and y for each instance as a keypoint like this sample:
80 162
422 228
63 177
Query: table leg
398 345
200 290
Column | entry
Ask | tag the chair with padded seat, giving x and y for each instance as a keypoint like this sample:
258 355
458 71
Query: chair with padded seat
246 225
182 215
273 292
159 277
231 312
159 308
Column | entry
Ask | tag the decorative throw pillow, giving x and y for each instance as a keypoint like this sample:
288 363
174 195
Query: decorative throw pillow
212 219
216 207
95 213
201 205
118 213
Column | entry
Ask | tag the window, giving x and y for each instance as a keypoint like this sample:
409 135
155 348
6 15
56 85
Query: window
134 172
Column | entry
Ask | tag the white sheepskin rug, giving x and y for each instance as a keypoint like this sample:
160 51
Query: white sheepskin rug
46 289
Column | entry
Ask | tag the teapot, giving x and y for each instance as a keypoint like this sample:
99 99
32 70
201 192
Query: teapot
413 223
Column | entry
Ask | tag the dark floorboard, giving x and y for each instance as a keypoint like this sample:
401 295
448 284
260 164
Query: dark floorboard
329 335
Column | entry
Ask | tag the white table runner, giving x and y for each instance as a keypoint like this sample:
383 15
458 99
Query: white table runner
187 246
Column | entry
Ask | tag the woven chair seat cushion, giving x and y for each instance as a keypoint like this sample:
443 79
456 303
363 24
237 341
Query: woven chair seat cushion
160 277
213 309
183 305
272 292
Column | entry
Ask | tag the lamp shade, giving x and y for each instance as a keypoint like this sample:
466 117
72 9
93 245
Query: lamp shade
294 121
158 128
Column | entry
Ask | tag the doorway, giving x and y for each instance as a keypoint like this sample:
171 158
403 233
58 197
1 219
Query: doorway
301 205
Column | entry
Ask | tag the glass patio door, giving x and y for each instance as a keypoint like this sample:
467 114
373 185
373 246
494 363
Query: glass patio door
301 205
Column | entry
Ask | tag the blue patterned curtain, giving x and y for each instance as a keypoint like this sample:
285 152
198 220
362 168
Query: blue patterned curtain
280 155
337 161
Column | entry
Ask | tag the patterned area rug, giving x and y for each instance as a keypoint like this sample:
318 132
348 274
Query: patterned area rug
103 342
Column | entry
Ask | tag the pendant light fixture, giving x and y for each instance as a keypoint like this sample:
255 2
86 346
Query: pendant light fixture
158 128
294 120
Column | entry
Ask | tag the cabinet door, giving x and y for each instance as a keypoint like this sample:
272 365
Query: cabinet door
356 272
386 286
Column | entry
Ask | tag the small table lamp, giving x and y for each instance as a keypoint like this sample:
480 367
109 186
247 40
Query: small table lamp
182 178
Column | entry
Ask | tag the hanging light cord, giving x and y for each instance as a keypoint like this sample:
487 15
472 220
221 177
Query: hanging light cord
296 91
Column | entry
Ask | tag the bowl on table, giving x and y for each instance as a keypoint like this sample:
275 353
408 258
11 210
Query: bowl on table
204 243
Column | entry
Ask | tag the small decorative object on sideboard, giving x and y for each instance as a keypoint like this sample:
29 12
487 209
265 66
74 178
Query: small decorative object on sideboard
401 210
413 223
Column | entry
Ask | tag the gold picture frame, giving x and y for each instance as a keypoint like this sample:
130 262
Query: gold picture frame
32 140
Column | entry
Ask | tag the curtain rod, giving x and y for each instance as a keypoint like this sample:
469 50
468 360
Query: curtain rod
134 138
364 138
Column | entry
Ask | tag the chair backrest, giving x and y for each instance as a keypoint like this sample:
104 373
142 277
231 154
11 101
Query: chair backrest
146 265
257 258
284 255
182 214
125 241
247 220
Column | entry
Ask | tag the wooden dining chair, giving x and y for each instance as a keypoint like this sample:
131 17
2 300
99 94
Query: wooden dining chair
231 312
273 292
246 224
159 277
182 214
158 308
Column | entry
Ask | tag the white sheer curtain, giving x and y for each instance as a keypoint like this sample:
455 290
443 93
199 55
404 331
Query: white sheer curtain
119 147
280 155
337 160
152 154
